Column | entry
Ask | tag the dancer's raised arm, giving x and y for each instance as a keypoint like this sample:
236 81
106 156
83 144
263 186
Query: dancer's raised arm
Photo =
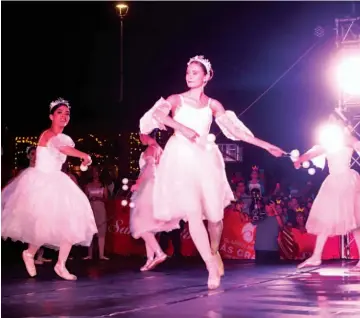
233 128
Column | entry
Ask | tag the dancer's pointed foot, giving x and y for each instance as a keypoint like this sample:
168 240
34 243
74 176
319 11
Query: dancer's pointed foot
214 278
28 259
310 262
159 258
104 258
62 271
146 267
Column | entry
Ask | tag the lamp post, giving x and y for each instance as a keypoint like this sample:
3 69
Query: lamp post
122 10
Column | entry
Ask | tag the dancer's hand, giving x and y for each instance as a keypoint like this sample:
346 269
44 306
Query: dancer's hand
134 187
86 160
189 133
297 164
275 151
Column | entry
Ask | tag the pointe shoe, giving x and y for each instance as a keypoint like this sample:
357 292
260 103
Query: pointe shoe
310 262
87 258
214 273
104 258
158 260
146 267
220 263
29 263
61 270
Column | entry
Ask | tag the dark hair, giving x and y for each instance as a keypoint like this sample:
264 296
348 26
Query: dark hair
52 110
30 149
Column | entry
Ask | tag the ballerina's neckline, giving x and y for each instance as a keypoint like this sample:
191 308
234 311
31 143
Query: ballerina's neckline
197 108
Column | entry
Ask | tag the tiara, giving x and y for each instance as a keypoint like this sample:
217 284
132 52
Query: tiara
201 59
59 101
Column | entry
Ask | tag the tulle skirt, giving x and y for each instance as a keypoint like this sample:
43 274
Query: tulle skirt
336 209
46 208
142 214
191 182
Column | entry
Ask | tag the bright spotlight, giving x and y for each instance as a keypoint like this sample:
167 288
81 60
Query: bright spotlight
332 137
348 74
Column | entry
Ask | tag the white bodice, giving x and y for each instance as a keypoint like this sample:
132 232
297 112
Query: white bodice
198 119
340 160
50 158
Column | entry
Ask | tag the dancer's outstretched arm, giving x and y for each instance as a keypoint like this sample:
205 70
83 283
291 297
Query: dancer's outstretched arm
234 129
312 153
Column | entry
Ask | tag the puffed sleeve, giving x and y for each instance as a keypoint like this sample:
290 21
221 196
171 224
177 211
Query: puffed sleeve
153 118
61 140
232 127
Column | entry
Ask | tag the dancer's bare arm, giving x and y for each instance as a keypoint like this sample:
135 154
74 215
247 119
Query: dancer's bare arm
312 153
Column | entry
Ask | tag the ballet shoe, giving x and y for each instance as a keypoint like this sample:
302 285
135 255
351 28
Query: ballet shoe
160 258
310 262
104 258
87 258
146 267
214 278
220 263
62 271
29 263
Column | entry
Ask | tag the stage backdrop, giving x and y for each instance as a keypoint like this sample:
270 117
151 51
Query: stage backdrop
237 241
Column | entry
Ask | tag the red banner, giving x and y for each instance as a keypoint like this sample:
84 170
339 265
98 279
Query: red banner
237 241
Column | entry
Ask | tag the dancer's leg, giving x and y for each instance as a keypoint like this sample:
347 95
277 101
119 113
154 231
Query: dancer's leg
200 238
28 258
60 268
356 234
152 248
215 232
101 243
315 259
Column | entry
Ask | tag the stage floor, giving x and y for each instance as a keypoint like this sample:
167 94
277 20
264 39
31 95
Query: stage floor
117 288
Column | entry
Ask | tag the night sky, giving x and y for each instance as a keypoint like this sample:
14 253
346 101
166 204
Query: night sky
72 50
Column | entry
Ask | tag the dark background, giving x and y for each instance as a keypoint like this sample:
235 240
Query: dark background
72 50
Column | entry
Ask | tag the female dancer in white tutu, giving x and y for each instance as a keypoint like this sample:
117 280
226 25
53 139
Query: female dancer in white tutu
190 181
336 209
142 222
43 206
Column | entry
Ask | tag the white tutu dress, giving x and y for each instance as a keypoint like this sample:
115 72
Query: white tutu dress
142 214
336 209
190 178
43 206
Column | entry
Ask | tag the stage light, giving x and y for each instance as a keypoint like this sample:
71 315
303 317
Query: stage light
124 202
331 137
125 187
348 74
132 205
125 181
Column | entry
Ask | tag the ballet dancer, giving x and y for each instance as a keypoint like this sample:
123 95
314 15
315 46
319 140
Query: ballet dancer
43 206
190 181
142 222
336 208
